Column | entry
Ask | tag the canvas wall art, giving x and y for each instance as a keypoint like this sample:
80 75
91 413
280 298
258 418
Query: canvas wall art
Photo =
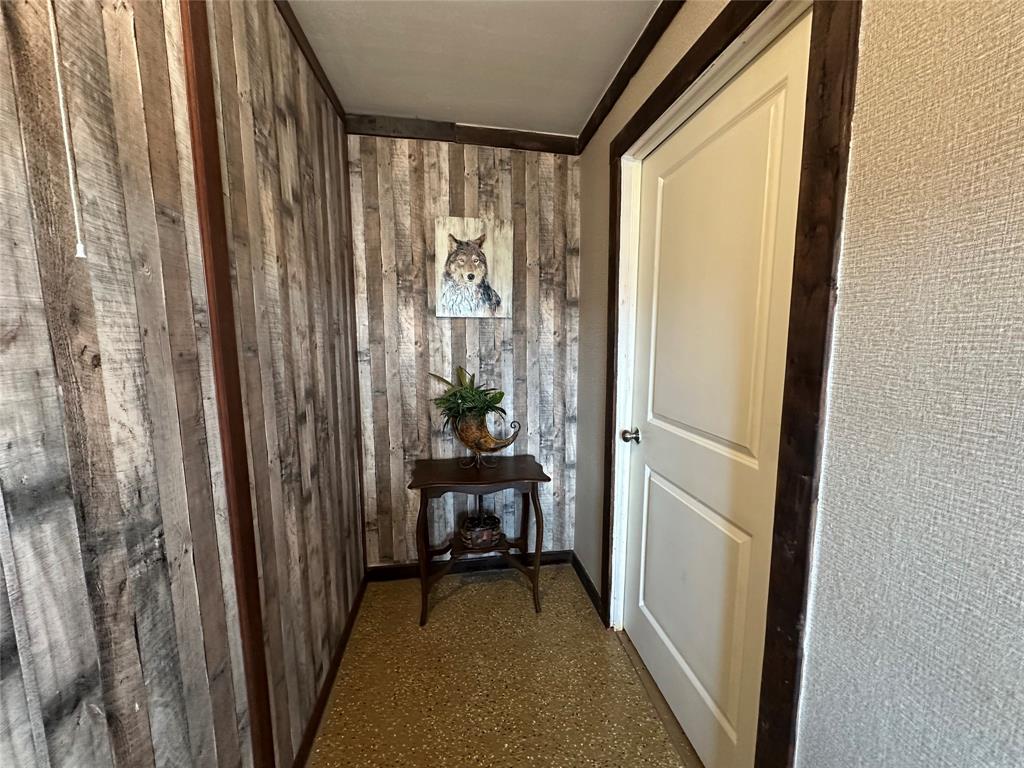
474 267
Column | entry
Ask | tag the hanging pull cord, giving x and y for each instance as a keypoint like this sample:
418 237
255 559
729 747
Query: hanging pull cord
65 124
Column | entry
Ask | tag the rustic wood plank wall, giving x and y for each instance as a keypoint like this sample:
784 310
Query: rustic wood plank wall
398 188
122 646
283 163
119 631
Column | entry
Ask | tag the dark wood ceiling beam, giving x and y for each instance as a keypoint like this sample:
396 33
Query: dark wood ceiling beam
459 133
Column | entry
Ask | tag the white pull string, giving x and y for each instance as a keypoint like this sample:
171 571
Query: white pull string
66 128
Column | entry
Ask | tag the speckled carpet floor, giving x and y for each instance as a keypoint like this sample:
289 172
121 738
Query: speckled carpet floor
489 683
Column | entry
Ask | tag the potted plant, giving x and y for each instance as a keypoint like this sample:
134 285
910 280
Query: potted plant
465 408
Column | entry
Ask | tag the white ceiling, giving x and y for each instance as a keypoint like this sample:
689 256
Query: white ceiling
536 65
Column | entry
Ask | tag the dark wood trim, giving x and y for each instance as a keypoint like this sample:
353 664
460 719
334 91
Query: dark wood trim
656 26
487 563
400 127
828 115
829 112
317 716
217 268
459 133
588 585
285 8
531 141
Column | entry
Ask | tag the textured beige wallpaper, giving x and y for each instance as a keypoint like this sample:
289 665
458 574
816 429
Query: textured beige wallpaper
915 652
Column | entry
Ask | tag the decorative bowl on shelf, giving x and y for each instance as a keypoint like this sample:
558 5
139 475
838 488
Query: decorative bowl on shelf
480 531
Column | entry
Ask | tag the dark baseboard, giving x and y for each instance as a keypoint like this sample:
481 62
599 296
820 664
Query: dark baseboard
487 563
309 735
588 585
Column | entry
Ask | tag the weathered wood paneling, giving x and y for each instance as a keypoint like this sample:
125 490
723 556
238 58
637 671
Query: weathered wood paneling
398 188
114 550
286 189
118 610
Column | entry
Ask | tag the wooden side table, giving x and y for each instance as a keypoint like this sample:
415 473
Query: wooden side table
434 478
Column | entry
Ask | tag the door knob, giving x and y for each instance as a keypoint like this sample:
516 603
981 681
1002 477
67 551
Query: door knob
627 435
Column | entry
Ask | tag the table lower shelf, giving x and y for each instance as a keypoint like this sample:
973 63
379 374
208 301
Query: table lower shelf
460 551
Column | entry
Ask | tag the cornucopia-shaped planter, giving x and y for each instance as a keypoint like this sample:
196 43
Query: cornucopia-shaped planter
465 408
474 433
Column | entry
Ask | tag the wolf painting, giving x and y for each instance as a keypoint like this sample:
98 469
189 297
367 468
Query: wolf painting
473 280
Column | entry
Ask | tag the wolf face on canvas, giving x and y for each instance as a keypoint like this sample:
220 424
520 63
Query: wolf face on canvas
465 289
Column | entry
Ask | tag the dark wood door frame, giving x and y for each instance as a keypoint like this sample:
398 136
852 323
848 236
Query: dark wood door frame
832 70
217 267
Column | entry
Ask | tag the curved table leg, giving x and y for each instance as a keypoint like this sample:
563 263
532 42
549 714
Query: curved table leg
524 530
423 553
539 517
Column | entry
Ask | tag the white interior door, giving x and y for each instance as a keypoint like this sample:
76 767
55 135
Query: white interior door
718 206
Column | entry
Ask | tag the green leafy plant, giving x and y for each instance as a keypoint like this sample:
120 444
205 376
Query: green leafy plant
464 399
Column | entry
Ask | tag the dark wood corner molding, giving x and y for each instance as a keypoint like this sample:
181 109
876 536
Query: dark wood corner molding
320 706
459 133
835 30
656 26
285 8
216 265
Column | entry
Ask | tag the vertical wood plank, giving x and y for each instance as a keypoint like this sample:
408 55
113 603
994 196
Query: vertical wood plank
113 236
190 328
392 353
239 149
546 342
324 327
278 397
559 357
421 236
348 373
520 279
295 343
533 318
71 318
46 631
409 278
487 370
360 244
372 228
571 347
436 205
471 174
460 353
303 302
169 267
503 339
22 734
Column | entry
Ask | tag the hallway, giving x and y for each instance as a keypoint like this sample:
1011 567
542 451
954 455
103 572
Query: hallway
490 683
